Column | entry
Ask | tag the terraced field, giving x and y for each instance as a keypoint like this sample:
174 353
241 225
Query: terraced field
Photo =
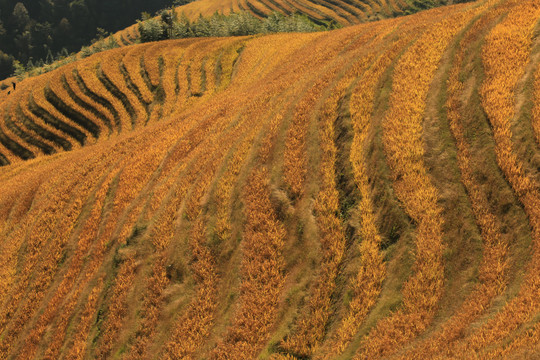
340 12
344 12
364 193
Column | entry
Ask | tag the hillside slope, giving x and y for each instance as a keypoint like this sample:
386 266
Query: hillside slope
370 192
323 13
342 12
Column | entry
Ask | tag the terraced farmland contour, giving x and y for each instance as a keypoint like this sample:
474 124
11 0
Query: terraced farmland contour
369 192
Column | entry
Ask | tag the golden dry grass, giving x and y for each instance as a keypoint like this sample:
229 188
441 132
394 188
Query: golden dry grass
224 198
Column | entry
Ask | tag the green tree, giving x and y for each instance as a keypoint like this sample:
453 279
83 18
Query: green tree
202 27
18 69
6 64
20 16
272 23
152 30
2 29
23 43
50 58
64 53
182 28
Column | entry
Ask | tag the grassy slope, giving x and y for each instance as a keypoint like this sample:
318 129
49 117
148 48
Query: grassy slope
252 197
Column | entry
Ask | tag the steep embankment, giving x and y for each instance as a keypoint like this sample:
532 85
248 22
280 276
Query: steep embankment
362 193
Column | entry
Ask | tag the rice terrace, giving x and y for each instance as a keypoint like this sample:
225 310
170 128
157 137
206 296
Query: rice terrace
275 179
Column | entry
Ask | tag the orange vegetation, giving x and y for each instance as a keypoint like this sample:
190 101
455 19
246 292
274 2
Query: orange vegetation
276 196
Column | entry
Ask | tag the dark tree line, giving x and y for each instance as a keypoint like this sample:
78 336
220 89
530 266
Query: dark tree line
171 26
35 31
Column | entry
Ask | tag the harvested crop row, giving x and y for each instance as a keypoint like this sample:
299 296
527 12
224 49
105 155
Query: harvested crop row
79 341
72 109
191 330
262 277
193 326
89 83
505 56
161 236
44 130
32 125
45 248
15 140
131 182
535 121
120 85
11 149
224 189
97 259
132 216
55 304
294 158
61 299
494 263
132 63
41 106
152 70
405 152
311 327
211 157
94 103
367 285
